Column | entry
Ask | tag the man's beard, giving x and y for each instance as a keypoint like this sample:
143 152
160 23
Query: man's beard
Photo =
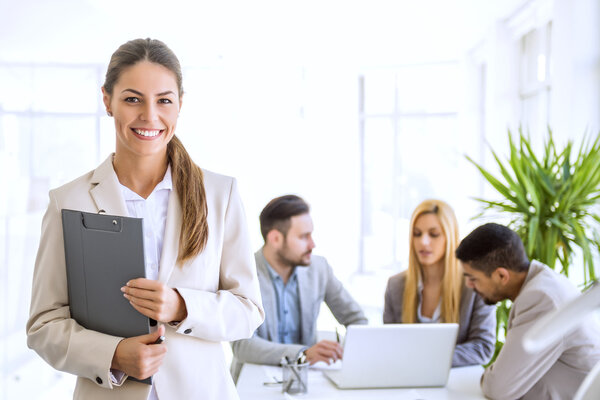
287 259
490 301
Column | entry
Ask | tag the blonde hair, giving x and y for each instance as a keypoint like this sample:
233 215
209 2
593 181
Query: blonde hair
453 274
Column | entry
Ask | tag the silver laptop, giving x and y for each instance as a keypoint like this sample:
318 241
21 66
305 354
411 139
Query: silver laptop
396 355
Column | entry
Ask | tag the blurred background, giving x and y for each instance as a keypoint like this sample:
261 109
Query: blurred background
364 108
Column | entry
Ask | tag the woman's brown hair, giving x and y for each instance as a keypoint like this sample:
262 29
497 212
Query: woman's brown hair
187 176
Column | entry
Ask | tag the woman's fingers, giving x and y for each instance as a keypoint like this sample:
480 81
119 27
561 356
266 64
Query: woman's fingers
143 294
155 300
143 283
145 311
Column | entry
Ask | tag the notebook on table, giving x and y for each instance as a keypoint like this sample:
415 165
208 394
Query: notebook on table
396 355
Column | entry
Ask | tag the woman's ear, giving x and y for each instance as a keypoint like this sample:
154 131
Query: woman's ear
106 101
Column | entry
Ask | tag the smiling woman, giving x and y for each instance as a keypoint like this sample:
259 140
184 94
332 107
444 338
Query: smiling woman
193 221
145 104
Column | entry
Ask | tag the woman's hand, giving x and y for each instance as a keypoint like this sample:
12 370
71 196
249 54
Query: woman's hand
138 356
155 300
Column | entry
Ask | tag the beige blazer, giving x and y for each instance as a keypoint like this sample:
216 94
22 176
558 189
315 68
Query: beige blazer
555 372
220 289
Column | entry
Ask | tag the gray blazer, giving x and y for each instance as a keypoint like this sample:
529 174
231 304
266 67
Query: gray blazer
477 325
316 283
555 372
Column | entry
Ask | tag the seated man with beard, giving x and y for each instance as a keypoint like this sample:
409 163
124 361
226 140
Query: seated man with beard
496 266
293 285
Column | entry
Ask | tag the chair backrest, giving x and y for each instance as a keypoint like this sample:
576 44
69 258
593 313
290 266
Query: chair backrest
590 387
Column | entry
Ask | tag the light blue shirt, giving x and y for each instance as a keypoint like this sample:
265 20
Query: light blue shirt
288 307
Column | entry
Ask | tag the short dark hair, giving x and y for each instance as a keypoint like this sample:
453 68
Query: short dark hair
491 246
277 214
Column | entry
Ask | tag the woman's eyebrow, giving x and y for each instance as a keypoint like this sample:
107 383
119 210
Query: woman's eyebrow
141 94
165 93
133 91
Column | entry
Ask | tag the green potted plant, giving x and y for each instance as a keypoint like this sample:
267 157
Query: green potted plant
552 201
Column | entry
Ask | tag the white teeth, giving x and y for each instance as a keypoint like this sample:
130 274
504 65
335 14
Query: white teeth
146 133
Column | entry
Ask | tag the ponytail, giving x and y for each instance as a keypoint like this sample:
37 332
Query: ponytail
189 183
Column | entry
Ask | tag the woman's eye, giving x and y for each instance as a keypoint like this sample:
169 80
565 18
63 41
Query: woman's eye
165 101
132 100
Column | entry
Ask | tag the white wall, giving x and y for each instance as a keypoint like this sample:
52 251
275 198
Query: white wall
576 68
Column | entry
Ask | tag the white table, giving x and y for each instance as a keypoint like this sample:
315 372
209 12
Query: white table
463 384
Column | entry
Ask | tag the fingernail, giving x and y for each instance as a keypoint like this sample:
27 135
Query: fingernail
123 289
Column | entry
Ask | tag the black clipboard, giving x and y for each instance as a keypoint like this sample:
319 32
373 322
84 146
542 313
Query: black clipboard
102 253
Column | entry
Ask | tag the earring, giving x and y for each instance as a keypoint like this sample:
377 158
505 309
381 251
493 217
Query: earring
108 113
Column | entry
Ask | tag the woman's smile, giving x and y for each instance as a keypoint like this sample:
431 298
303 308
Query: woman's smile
147 134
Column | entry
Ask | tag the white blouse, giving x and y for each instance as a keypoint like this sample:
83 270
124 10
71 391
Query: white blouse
153 211
435 318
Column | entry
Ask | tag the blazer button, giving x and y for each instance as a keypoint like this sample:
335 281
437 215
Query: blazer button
187 331
99 380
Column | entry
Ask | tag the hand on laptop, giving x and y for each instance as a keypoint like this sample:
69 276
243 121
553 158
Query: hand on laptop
325 350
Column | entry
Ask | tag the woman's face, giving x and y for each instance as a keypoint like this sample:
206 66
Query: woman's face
145 104
429 240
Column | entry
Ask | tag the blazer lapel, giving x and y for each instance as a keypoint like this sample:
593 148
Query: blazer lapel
170 249
107 190
108 197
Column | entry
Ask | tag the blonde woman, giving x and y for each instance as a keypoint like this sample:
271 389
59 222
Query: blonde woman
201 283
433 289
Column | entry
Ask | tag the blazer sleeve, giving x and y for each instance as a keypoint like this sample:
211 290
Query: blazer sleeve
235 310
392 307
51 331
258 350
481 340
343 307
503 379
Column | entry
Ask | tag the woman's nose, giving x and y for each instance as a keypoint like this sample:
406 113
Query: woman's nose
149 112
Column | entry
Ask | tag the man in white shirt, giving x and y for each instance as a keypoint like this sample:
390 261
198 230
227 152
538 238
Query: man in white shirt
496 267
